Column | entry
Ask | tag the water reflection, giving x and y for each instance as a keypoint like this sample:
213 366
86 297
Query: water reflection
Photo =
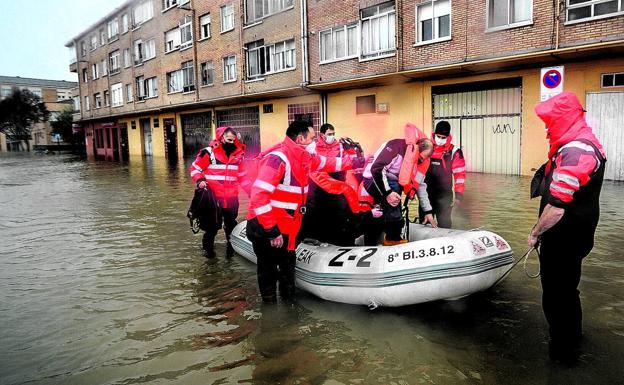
103 282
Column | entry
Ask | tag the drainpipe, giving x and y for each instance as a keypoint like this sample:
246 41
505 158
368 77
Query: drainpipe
243 65
557 16
323 107
399 32
196 65
304 43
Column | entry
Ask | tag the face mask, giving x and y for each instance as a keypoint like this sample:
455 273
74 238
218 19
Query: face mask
330 139
440 142
311 148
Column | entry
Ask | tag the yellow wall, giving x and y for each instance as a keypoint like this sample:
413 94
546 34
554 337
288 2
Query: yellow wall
413 102
370 130
273 125
135 139
3 145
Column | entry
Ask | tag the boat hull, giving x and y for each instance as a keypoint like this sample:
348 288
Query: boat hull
437 264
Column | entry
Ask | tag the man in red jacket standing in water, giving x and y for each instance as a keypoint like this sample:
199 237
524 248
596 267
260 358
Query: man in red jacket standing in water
568 216
220 168
278 203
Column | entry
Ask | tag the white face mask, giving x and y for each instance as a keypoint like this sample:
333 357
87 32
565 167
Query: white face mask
440 142
311 148
330 139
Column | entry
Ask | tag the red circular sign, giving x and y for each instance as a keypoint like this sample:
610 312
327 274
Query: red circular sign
552 79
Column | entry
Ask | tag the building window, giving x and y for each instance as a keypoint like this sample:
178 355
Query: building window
378 32
227 17
117 94
83 49
94 70
207 73
115 64
229 69
365 104
93 44
257 9
86 103
339 43
255 59
146 88
85 77
186 32
281 56
126 55
613 80
204 27
172 40
583 10
98 100
509 13
433 21
142 12
144 51
102 37
182 80
113 29
169 3
124 23
129 97
104 66
106 98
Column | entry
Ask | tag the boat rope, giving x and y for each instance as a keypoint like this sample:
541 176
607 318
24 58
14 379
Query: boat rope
524 258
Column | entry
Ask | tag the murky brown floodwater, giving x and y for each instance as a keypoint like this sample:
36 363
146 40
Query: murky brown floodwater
102 282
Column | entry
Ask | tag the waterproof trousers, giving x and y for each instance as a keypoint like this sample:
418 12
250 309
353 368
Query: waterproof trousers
560 269
442 206
392 217
274 265
227 218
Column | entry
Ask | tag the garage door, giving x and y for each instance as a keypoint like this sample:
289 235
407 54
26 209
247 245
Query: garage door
196 131
605 114
486 124
246 121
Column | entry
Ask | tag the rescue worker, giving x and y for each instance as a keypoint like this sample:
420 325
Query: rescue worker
447 164
278 203
328 146
398 165
568 216
220 168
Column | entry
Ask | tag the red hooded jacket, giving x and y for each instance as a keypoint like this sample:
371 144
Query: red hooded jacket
574 160
447 163
222 173
280 191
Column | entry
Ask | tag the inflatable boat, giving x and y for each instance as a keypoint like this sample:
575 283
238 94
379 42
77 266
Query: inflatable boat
436 264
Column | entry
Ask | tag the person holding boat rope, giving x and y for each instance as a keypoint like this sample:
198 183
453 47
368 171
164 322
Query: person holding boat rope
569 184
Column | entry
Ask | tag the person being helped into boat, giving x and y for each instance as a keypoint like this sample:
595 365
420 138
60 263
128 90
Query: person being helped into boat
278 203
447 165
328 146
398 165
220 168
568 215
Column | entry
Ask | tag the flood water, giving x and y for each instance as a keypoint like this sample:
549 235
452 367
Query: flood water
102 282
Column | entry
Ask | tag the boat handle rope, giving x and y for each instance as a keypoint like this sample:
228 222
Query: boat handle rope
524 258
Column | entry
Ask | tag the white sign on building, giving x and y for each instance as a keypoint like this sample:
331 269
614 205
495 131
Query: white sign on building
551 83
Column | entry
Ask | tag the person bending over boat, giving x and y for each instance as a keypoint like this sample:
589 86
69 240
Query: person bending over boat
278 203
220 168
570 187
447 165
399 165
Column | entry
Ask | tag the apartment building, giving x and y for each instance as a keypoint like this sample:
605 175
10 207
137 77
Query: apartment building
366 66
57 96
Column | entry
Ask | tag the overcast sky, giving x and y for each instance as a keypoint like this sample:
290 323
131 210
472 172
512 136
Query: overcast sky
33 34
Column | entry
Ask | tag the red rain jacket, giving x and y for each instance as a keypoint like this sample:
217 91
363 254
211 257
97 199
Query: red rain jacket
222 173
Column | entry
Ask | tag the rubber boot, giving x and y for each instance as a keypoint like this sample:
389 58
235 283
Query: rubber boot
208 245
390 242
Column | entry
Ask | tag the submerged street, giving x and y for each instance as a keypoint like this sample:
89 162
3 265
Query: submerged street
102 282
